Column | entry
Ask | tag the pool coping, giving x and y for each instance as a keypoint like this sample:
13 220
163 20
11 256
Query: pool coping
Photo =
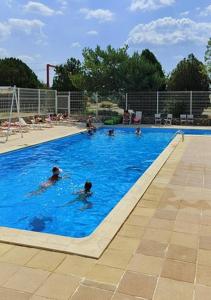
93 245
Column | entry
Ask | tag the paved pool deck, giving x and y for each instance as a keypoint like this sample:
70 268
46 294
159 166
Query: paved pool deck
162 252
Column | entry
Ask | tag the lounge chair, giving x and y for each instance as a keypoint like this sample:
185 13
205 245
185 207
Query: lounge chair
158 119
190 119
183 119
168 120
138 117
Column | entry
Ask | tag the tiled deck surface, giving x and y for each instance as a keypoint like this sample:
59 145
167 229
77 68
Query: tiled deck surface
162 252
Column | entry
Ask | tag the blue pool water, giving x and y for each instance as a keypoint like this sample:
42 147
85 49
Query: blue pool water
112 164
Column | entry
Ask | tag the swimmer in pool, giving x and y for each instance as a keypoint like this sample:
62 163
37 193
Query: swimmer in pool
138 131
82 196
111 132
56 172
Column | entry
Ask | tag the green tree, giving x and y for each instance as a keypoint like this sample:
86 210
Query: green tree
207 58
189 75
64 79
15 72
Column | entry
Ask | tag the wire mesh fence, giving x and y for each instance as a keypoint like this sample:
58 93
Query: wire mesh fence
103 106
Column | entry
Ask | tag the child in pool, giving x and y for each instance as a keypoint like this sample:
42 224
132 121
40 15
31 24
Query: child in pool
138 131
111 132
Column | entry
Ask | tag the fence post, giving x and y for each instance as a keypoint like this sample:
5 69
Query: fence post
38 101
191 102
96 99
157 102
126 101
56 102
68 105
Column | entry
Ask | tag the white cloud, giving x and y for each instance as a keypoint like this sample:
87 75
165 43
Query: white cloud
168 30
92 32
206 12
76 45
4 31
9 3
185 13
3 52
40 8
102 15
147 5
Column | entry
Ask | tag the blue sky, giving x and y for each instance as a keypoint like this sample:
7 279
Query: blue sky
50 31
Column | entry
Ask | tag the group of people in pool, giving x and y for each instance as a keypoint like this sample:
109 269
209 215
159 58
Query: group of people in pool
82 195
112 133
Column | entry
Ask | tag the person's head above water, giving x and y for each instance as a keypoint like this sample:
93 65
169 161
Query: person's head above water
56 171
87 186
111 132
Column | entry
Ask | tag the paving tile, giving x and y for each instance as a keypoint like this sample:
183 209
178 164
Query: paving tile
126 243
58 286
206 220
187 217
202 292
131 231
46 260
119 296
8 294
137 284
4 248
178 252
180 271
205 242
76 265
90 293
19 255
27 279
146 264
184 239
203 275
165 214
34 297
161 224
205 230
148 203
6 271
158 235
168 289
105 274
204 257
143 211
152 248
114 258
185 227
138 220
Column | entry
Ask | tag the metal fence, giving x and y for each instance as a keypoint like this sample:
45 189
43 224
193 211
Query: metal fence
43 102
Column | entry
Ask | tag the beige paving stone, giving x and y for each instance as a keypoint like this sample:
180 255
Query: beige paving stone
205 230
115 258
185 227
203 275
120 296
19 255
27 279
34 297
4 248
158 235
131 231
205 242
58 286
6 271
146 264
180 271
137 284
204 257
161 224
168 289
76 265
143 211
90 293
46 260
178 252
206 220
202 292
184 239
166 214
148 203
124 243
187 217
138 220
8 294
152 248
105 274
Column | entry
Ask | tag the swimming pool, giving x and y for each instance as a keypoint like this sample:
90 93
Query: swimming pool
112 164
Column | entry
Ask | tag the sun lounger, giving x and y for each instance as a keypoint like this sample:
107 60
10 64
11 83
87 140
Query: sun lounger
190 119
168 120
157 119
138 117
183 119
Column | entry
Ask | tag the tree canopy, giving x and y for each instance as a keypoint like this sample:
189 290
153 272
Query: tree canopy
189 75
207 58
114 70
15 72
